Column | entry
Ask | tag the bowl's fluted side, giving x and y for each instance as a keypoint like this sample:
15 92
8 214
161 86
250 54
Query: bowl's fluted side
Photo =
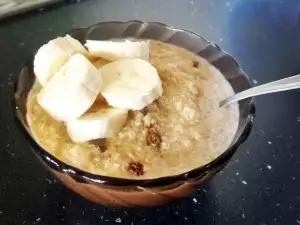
125 192
134 196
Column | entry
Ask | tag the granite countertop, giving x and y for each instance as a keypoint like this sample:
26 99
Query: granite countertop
261 184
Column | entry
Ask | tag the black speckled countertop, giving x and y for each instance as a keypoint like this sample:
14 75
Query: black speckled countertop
261 184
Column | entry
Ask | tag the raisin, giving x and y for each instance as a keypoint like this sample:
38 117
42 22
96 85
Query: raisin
144 111
100 143
153 137
195 64
130 115
136 168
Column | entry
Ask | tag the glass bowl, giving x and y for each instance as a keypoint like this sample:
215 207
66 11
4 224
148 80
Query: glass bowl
149 192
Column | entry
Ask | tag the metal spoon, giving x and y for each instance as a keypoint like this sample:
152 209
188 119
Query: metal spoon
289 83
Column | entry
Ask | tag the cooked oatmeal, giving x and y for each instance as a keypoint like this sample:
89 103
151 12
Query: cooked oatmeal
182 130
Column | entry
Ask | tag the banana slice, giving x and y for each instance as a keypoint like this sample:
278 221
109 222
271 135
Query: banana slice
99 122
72 90
130 83
51 56
115 50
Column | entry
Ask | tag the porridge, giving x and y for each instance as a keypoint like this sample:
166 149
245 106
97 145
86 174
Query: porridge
179 131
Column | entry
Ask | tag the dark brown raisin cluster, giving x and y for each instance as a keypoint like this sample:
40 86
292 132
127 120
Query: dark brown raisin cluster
100 143
153 137
195 64
136 168
144 111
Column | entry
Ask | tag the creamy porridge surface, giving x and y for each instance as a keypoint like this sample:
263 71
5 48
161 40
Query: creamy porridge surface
180 131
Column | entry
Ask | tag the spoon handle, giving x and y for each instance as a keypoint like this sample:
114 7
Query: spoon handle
289 83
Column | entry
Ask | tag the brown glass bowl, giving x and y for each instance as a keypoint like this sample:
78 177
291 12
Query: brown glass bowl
150 192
